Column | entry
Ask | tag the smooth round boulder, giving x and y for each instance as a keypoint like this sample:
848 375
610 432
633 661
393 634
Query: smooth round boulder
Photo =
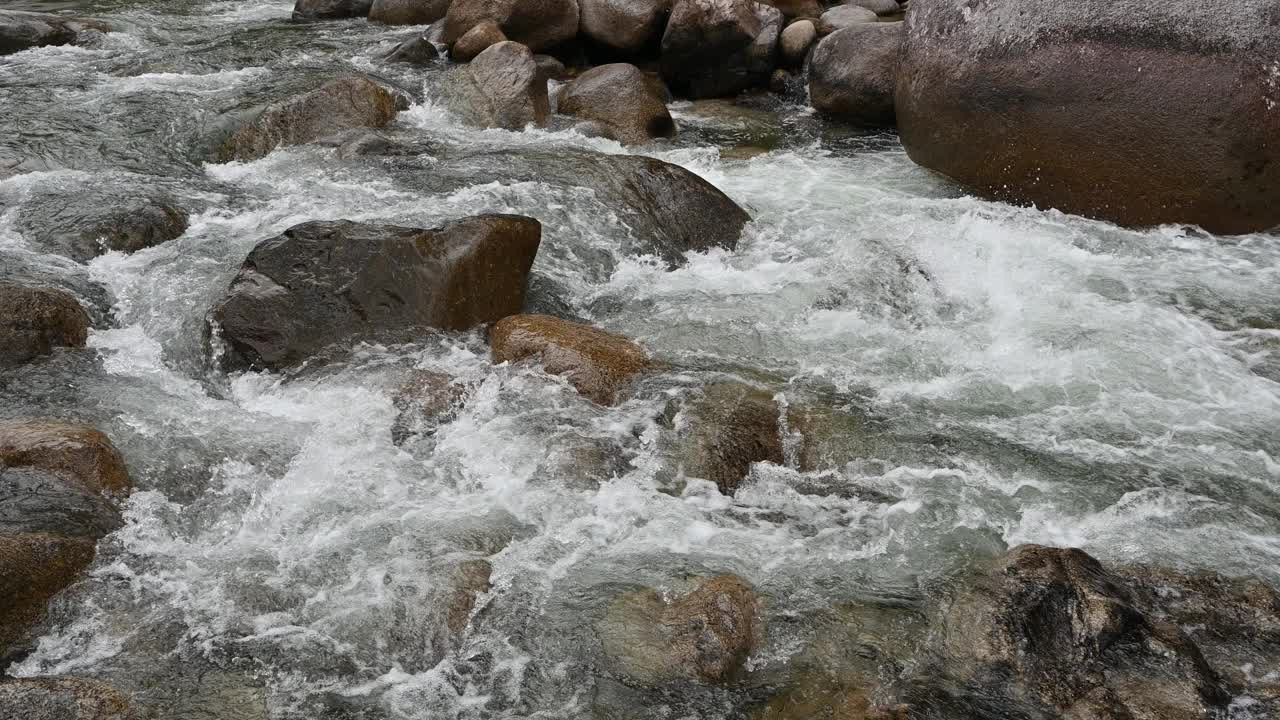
795 42
34 321
622 98
549 68
342 104
715 48
1134 112
414 51
65 698
880 7
407 12
537 24
600 365
500 88
853 74
322 283
78 452
479 38
843 16
330 9
797 8
625 27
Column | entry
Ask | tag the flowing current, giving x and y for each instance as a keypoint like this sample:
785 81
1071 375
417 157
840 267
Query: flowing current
1005 375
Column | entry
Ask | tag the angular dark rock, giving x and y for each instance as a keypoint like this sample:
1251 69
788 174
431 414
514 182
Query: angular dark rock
36 320
714 48
620 97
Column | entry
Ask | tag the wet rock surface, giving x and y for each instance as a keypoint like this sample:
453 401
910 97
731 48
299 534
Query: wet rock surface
84 222
732 426
35 321
600 365
322 283
537 24
713 48
65 698
625 27
343 104
1196 73
501 88
21 30
330 9
407 12
620 97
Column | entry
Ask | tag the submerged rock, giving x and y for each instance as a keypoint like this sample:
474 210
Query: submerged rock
342 104
479 38
704 635
537 24
713 48
426 400
853 73
24 30
625 27
72 450
599 364
34 321
321 283
330 9
407 12
620 97
1135 112
500 88
65 698
33 568
87 221
1053 630
731 427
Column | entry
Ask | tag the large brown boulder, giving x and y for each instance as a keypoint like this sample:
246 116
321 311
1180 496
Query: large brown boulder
36 320
342 104
321 283
330 9
704 635
407 12
599 364
33 568
537 24
480 37
624 27
22 30
500 88
76 451
1055 631
1135 112
65 698
622 99
714 48
853 73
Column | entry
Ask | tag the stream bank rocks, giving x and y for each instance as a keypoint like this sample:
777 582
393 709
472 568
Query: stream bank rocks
407 12
713 48
321 283
500 88
35 321
536 24
24 30
1128 111
330 9
625 28
342 104
59 484
599 364
619 97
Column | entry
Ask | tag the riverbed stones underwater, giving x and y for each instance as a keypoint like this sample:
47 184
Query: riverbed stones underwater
1131 112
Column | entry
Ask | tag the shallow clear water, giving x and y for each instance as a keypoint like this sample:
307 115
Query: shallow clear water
1010 375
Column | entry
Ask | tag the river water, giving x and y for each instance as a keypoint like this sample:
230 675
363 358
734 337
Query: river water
1027 376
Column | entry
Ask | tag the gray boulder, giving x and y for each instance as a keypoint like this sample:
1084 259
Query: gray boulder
620 97
625 27
500 88
879 7
843 16
89 220
714 48
34 321
414 51
342 104
407 12
796 40
853 73
479 38
322 283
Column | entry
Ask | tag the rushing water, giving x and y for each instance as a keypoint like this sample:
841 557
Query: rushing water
1029 377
